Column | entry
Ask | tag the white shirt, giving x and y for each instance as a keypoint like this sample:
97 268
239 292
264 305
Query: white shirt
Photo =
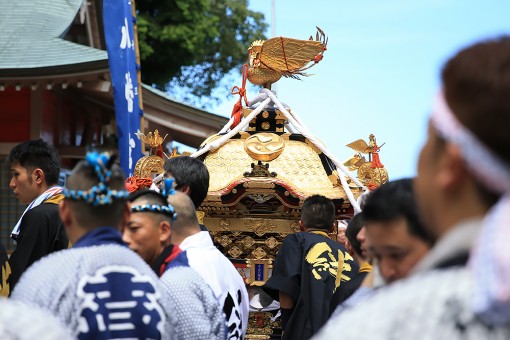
221 275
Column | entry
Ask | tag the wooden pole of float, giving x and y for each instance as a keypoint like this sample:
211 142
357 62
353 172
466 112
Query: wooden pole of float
138 71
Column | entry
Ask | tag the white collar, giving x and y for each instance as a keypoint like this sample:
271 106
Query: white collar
458 239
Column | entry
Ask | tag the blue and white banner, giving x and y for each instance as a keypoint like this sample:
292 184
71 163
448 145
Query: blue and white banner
119 36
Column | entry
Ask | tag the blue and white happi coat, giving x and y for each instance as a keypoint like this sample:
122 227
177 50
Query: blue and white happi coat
100 289
197 313
23 322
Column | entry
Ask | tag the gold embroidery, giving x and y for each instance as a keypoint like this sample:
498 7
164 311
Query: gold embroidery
340 268
4 287
321 257
346 268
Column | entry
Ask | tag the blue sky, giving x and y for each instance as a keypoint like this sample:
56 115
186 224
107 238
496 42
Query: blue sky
381 69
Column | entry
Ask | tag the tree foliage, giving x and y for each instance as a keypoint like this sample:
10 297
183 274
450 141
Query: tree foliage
194 43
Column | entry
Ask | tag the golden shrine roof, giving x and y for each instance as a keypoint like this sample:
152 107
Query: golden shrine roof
300 167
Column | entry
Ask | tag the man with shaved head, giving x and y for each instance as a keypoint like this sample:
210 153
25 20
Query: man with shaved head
221 275
149 232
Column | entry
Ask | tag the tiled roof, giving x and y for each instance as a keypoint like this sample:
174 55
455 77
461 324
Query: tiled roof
46 53
31 31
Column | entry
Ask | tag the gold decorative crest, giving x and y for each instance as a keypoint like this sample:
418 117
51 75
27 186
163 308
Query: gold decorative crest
260 170
148 166
264 146
371 173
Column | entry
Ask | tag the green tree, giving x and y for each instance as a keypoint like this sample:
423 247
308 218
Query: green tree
194 44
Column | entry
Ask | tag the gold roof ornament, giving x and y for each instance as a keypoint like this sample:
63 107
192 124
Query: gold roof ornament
355 162
271 59
372 173
152 139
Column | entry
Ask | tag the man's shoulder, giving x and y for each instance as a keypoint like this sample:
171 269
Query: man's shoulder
45 209
92 257
216 269
183 278
180 273
420 288
425 296
45 269
311 238
308 240
76 262
293 239
207 253
211 259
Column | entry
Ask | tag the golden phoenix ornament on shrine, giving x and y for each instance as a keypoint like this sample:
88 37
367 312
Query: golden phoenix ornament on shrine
371 173
271 59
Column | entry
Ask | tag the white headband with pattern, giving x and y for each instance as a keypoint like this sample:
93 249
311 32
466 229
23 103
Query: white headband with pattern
488 168
490 258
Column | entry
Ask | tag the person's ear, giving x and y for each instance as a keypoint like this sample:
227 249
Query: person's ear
126 216
333 227
165 232
39 176
301 225
64 210
349 248
452 169
185 189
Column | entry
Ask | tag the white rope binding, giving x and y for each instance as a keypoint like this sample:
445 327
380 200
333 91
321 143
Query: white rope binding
265 98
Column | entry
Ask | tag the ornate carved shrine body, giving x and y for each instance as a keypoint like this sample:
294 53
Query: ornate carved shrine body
258 181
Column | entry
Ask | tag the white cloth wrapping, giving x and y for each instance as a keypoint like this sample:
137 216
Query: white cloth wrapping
56 283
221 275
38 201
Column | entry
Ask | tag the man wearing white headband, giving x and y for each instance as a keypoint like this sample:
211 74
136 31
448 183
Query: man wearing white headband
461 289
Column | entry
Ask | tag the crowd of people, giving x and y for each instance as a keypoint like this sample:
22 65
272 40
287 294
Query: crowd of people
427 258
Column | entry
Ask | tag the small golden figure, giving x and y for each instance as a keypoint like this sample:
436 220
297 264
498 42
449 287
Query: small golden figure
152 139
371 173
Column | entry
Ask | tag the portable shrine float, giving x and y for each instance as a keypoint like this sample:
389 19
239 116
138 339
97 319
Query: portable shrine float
262 166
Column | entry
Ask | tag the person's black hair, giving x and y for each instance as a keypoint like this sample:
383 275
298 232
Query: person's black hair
394 200
318 212
191 172
35 154
353 228
476 84
151 197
